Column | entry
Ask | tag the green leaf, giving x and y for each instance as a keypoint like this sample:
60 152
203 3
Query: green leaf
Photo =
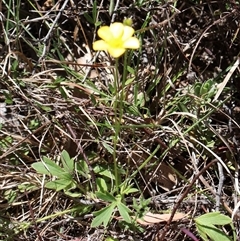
205 225
10 195
128 190
197 88
47 167
101 185
82 209
215 218
105 196
68 163
82 169
51 168
103 171
88 18
44 107
140 99
40 168
108 147
26 186
129 81
182 107
130 70
72 194
103 216
202 232
98 23
94 12
124 212
213 233
8 98
59 184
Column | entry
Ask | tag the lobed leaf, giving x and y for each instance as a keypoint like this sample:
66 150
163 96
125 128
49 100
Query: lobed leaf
103 216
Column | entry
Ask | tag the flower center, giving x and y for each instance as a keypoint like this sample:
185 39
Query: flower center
116 43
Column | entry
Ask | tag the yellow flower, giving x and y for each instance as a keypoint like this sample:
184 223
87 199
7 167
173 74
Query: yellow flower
116 38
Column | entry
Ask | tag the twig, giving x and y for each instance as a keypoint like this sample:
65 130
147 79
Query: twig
79 147
220 185
33 218
176 206
114 10
25 139
202 35
51 29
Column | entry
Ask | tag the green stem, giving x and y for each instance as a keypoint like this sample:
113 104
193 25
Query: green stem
118 111
111 7
116 82
116 124
125 64
25 226
123 86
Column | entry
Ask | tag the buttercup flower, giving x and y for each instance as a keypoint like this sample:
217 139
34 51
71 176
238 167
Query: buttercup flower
115 39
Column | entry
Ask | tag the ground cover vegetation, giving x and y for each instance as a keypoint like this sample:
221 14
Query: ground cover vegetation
137 141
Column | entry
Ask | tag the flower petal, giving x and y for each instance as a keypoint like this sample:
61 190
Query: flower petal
105 33
117 30
128 33
116 52
100 45
131 43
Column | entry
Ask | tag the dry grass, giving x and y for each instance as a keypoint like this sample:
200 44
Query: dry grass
57 94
